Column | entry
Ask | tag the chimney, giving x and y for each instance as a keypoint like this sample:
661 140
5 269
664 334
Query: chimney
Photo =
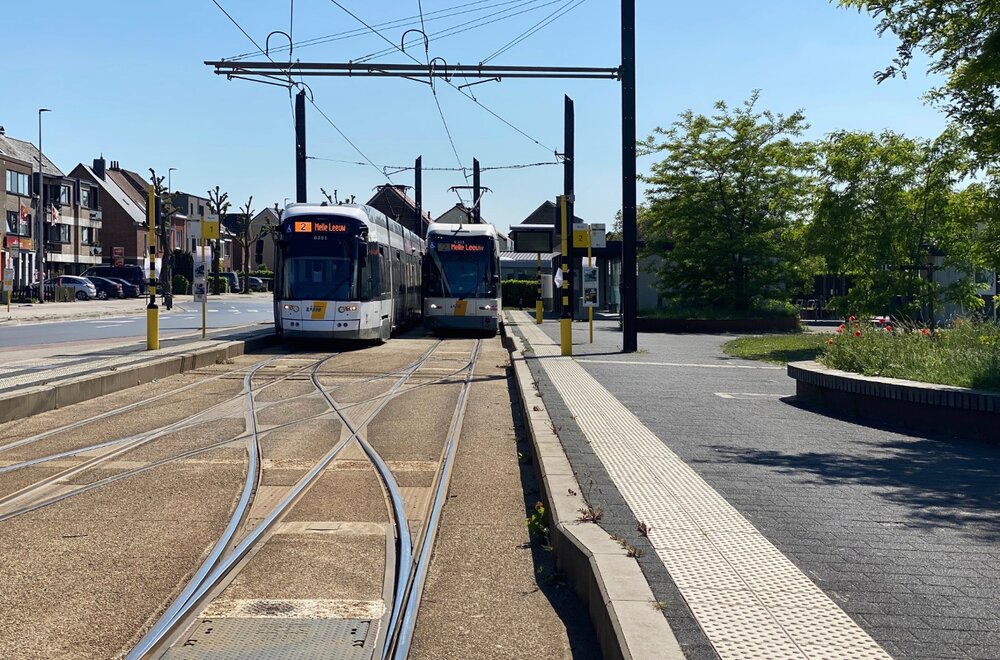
99 167
2 131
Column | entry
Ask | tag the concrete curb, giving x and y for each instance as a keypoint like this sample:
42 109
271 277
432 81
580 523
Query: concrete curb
610 584
926 406
29 401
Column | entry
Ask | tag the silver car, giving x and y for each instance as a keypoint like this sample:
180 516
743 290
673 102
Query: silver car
80 287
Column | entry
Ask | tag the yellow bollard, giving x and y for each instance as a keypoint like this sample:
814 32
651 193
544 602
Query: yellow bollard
566 335
538 312
152 328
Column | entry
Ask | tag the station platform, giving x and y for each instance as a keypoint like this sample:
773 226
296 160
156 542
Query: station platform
725 589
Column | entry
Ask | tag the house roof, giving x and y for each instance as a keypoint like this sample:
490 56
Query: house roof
110 188
28 153
546 214
462 209
130 183
396 194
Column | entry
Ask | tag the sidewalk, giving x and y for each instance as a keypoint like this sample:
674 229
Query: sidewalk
725 589
21 313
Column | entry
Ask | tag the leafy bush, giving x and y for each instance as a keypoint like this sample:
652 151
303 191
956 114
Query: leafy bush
518 293
223 284
965 355
262 272
179 285
763 310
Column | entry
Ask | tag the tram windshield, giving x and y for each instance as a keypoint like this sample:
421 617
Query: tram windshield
320 278
461 267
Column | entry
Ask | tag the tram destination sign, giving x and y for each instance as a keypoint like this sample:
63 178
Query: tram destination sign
317 227
459 245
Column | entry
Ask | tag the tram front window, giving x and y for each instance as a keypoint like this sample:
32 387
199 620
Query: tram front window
319 278
461 269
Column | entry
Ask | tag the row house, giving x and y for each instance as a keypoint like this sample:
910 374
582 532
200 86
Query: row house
394 203
190 209
68 207
263 252
125 233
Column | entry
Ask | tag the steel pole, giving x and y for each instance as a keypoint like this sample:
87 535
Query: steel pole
569 155
301 193
418 194
629 286
477 192
39 211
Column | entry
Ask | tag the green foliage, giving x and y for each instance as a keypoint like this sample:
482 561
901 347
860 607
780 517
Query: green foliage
536 523
184 263
886 211
179 285
779 349
519 292
218 284
729 197
764 310
963 44
262 271
966 355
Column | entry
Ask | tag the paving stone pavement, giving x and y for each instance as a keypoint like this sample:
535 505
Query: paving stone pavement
900 531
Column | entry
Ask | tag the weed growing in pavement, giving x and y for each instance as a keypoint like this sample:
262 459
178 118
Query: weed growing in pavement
571 492
536 408
536 524
524 457
555 429
660 605
630 550
591 514
643 530
642 351
547 576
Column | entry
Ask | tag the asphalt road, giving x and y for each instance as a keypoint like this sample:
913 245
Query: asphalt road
183 319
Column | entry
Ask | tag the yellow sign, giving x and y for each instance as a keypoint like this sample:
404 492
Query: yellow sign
460 307
581 235
211 229
317 310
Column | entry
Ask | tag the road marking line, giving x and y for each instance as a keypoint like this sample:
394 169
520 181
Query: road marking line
747 395
680 364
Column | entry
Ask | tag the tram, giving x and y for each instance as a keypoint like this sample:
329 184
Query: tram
345 272
462 278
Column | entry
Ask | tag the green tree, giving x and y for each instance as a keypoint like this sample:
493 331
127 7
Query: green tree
962 39
164 225
888 214
726 201
246 236
218 205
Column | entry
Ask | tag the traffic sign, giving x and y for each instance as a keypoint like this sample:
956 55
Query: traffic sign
211 230
598 236
581 234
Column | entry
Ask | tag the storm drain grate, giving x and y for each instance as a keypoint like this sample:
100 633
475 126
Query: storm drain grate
260 639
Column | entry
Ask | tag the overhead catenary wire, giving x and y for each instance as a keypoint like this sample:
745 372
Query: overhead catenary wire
554 16
311 100
408 21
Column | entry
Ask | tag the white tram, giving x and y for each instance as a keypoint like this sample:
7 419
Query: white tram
345 272
462 278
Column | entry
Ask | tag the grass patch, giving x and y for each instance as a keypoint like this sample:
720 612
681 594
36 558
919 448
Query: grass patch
779 349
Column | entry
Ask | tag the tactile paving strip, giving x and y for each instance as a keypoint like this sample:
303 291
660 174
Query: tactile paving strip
267 639
751 600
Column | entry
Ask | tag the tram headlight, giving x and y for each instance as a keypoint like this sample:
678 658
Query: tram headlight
347 308
434 306
290 308
488 308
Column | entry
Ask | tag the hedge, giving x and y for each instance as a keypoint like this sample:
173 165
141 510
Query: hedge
519 293
179 285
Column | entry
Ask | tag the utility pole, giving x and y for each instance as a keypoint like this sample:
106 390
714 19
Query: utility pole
630 342
569 121
300 147
418 194
477 192
40 216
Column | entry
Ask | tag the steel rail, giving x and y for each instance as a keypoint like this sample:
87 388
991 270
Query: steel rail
111 413
167 626
401 645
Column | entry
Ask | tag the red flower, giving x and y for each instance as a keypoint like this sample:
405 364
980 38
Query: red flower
888 328
829 342
857 333
851 318
840 329
925 332
881 321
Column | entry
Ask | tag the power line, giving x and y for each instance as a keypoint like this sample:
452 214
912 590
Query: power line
436 15
535 28
311 101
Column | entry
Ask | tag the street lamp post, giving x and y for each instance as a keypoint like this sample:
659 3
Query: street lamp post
39 227
168 178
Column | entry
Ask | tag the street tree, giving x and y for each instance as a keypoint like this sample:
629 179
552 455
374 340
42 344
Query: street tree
246 235
889 213
723 205
962 40
164 225
218 205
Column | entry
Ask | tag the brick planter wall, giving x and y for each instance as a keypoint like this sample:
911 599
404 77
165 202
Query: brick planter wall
920 407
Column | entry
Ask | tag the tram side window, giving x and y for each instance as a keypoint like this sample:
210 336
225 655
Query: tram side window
385 280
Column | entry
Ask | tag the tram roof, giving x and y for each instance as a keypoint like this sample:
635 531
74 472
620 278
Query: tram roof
356 211
460 229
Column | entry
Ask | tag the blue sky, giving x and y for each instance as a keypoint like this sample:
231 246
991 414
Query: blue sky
130 83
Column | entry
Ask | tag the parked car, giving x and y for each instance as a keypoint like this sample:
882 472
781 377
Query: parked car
129 272
80 287
256 284
129 290
106 288
234 281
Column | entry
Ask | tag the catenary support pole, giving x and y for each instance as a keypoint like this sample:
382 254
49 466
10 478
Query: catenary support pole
477 192
301 194
418 195
569 149
539 304
566 320
152 311
629 287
